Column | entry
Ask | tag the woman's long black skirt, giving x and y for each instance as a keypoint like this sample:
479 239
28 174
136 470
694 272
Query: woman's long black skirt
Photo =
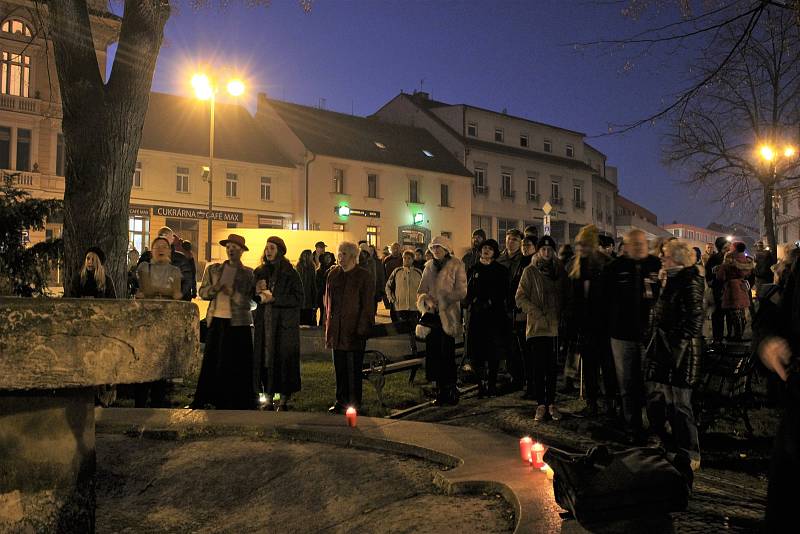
226 376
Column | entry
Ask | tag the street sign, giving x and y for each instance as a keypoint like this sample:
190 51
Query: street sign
547 208
546 221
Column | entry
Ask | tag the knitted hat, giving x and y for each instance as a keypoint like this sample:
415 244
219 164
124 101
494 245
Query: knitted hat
441 241
100 254
588 235
491 243
278 242
547 241
480 232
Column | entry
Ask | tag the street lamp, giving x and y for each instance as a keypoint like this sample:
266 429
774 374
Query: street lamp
772 157
206 89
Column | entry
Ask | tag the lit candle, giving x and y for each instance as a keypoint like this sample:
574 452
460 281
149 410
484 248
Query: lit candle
351 415
537 455
525 448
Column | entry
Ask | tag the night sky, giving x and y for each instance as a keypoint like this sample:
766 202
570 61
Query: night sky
496 54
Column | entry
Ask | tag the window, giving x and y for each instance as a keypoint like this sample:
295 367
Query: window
599 203
59 154
380 145
338 227
231 185
187 229
372 185
15 74
16 27
570 150
577 196
786 203
23 150
523 140
413 190
428 153
480 180
266 189
182 180
532 194
555 192
445 195
338 180
482 221
372 236
137 175
505 183
499 135
785 233
472 129
5 147
139 232
548 145
503 226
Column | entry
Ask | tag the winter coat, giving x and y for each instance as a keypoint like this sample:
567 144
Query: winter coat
308 277
675 349
735 289
541 295
586 307
159 281
276 340
631 288
515 264
487 291
765 259
444 288
349 308
90 290
470 259
241 296
390 263
401 288
188 274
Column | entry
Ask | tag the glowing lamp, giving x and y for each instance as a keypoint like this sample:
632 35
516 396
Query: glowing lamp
418 218
343 211
236 87
202 86
537 455
789 152
351 416
525 445
766 153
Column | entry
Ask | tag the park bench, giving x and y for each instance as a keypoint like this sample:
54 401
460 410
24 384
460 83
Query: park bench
725 387
377 365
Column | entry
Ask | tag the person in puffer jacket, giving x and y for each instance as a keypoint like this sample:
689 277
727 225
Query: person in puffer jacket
736 268
674 352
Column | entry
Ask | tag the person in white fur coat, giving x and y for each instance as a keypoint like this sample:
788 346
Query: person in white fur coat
443 287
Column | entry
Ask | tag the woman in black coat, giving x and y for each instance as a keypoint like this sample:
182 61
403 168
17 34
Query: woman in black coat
279 294
326 261
307 270
487 287
92 281
673 353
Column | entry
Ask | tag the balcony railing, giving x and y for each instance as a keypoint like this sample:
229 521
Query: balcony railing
18 103
580 204
533 197
507 193
478 189
556 201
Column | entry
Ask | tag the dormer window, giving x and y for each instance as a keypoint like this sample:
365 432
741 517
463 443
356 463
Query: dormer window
17 27
428 153
380 145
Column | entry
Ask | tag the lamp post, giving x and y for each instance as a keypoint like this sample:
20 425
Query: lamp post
771 156
206 89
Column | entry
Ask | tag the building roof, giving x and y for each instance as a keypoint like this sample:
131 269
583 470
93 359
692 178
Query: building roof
357 138
181 125
639 210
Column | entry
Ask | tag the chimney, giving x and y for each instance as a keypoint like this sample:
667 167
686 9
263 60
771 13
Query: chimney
422 96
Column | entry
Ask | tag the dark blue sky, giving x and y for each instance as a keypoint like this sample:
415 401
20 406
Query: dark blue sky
495 54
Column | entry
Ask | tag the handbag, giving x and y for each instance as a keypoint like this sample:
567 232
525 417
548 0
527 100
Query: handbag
426 324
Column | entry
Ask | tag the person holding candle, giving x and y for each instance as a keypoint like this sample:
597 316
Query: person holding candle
349 312
226 376
279 295
443 287
541 294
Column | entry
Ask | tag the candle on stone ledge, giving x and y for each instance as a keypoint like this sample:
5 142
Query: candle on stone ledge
525 448
537 455
351 415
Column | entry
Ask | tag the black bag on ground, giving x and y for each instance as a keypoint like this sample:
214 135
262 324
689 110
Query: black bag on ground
602 486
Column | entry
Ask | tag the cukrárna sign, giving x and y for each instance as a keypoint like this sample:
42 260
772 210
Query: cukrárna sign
194 213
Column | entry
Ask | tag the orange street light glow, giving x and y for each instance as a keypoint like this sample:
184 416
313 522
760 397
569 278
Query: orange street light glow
236 87
789 152
202 86
767 153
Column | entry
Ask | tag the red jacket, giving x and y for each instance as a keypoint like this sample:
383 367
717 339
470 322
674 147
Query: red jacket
349 308
735 289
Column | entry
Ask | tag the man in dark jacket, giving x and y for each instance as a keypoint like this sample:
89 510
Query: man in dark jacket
779 350
765 259
712 265
350 310
631 286
390 263
471 258
513 260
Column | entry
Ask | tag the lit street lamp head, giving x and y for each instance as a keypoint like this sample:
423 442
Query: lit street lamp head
202 86
236 87
789 152
766 152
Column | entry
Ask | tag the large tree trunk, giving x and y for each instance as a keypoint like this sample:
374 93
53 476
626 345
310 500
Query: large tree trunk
102 126
769 217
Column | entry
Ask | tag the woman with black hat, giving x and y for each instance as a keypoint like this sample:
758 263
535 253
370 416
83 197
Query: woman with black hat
227 374
541 294
279 294
487 287
92 281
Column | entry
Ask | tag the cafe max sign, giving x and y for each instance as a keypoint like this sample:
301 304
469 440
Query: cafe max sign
186 213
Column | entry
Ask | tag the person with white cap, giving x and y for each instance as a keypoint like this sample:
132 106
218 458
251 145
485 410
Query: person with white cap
443 287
